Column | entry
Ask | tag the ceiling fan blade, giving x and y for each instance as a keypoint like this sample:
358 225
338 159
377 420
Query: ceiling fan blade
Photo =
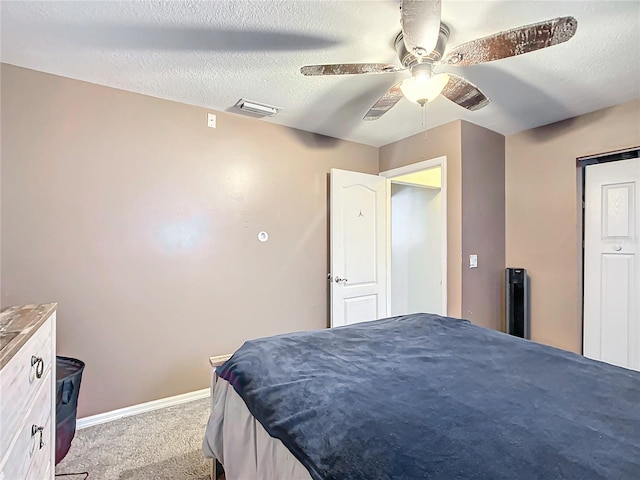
464 93
420 20
350 69
384 103
513 42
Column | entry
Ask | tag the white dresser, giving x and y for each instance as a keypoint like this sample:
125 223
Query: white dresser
27 392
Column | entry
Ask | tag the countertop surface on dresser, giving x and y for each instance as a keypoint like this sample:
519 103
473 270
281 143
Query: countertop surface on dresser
18 324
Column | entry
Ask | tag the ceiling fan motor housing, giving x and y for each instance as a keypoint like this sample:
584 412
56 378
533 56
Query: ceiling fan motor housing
408 59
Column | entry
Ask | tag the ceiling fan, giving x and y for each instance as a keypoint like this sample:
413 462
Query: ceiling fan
421 44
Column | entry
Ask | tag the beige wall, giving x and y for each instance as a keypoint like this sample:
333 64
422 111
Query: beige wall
440 141
141 222
543 218
483 230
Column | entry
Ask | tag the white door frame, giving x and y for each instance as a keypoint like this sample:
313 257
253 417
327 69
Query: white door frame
413 168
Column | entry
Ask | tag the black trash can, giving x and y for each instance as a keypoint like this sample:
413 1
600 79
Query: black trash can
68 376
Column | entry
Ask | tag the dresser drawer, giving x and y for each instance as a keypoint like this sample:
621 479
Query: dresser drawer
19 383
26 454
43 473
40 468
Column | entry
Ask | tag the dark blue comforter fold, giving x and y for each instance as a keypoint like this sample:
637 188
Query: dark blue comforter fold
424 396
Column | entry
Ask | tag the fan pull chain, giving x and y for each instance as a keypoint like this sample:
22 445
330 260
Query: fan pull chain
424 120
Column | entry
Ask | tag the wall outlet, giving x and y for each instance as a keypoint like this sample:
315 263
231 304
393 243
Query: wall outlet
473 261
211 120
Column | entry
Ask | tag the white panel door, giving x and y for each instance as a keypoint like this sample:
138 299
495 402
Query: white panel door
358 215
612 263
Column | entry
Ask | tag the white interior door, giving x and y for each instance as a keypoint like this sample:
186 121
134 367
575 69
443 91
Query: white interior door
612 263
358 275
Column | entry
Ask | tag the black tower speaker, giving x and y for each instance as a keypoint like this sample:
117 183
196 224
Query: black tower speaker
517 298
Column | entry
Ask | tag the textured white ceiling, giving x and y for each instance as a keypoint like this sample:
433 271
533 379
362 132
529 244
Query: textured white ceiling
212 53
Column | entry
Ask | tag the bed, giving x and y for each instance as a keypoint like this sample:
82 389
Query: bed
421 396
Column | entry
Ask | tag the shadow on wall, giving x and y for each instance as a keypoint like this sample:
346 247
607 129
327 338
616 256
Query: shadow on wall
558 129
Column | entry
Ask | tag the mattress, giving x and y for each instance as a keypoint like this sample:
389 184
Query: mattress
424 396
241 444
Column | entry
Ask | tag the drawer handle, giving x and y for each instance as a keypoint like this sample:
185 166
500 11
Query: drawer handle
34 431
39 363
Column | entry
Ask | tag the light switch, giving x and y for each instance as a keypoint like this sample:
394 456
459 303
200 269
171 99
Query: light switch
211 120
473 261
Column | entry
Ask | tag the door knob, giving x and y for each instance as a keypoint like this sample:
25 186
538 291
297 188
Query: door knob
617 248
340 280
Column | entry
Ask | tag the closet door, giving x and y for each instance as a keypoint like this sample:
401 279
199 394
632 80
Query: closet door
612 263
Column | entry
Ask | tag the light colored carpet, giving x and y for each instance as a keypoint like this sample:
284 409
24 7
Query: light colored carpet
160 445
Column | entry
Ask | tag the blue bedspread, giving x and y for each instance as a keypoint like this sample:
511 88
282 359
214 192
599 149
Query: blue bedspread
424 396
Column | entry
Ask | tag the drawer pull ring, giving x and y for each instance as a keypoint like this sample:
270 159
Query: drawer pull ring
34 431
39 363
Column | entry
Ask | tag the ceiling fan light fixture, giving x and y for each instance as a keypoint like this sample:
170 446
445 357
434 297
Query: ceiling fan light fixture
421 91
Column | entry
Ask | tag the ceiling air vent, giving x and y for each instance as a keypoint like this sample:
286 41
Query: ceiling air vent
256 109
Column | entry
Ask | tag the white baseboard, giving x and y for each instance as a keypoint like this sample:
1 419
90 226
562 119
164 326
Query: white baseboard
141 408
